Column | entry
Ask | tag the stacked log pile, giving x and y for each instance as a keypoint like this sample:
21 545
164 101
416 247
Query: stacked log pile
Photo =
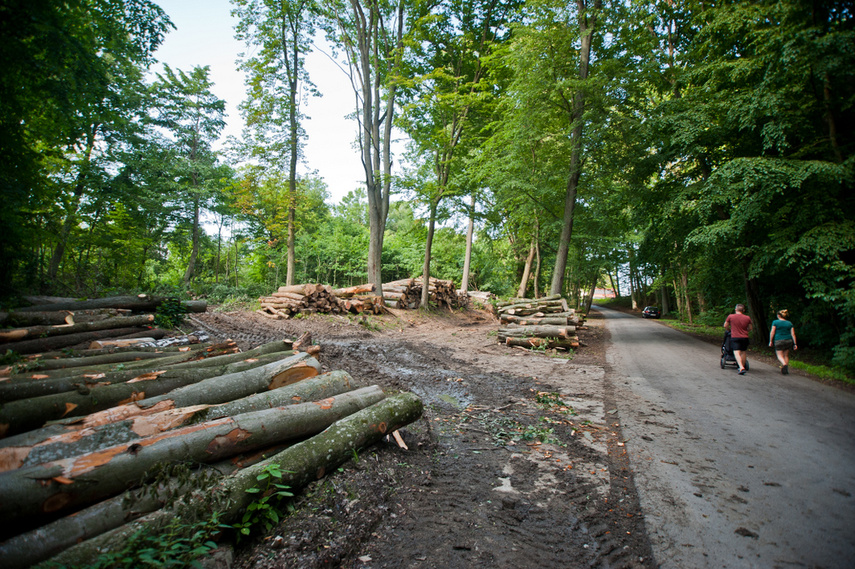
407 293
545 323
67 323
289 301
81 436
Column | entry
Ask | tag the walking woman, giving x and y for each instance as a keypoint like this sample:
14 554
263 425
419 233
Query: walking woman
783 337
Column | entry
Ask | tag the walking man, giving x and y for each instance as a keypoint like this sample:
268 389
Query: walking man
739 325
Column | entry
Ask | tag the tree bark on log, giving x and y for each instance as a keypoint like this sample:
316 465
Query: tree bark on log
354 290
19 334
59 342
76 441
302 463
538 321
66 485
195 356
36 387
518 300
140 303
27 414
63 356
538 332
59 428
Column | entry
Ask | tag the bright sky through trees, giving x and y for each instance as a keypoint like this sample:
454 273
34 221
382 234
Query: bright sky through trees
205 36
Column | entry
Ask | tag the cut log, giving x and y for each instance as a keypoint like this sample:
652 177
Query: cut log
543 342
189 376
140 303
64 341
120 342
26 414
301 463
49 489
76 440
354 290
535 321
538 331
65 329
197 356
27 549
49 318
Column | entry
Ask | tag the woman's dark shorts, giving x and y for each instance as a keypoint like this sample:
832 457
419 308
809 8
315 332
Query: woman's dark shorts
783 345
738 344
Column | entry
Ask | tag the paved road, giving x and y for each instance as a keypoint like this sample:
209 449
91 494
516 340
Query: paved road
733 471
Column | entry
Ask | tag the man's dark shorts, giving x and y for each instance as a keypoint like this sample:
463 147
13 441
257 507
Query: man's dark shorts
783 345
739 344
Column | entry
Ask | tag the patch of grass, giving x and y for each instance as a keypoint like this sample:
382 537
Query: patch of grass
824 372
176 545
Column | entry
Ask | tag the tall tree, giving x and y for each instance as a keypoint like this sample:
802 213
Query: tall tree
450 83
371 33
194 117
587 13
277 34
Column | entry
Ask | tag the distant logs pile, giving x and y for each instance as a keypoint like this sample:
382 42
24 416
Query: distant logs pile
289 301
538 323
407 293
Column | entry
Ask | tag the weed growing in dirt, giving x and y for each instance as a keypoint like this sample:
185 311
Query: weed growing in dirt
262 512
176 545
553 402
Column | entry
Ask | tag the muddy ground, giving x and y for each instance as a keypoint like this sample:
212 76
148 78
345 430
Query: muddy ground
518 460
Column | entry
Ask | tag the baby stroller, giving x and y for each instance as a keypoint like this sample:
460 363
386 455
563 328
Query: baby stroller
727 357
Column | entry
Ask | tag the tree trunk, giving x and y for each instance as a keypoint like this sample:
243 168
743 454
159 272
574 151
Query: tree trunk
761 327
77 440
467 259
526 271
687 302
71 215
587 24
48 489
194 251
537 266
301 464
424 303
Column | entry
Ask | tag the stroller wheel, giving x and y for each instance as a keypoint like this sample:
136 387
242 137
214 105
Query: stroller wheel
723 363
746 364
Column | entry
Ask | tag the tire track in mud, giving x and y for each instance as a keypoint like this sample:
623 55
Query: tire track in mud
457 499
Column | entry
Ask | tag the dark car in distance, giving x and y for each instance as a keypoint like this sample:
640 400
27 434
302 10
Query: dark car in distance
650 312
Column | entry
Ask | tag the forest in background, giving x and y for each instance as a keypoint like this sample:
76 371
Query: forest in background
692 154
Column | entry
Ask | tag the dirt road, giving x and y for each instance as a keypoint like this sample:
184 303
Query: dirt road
733 471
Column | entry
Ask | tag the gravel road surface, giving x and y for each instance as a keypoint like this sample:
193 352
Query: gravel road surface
733 471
